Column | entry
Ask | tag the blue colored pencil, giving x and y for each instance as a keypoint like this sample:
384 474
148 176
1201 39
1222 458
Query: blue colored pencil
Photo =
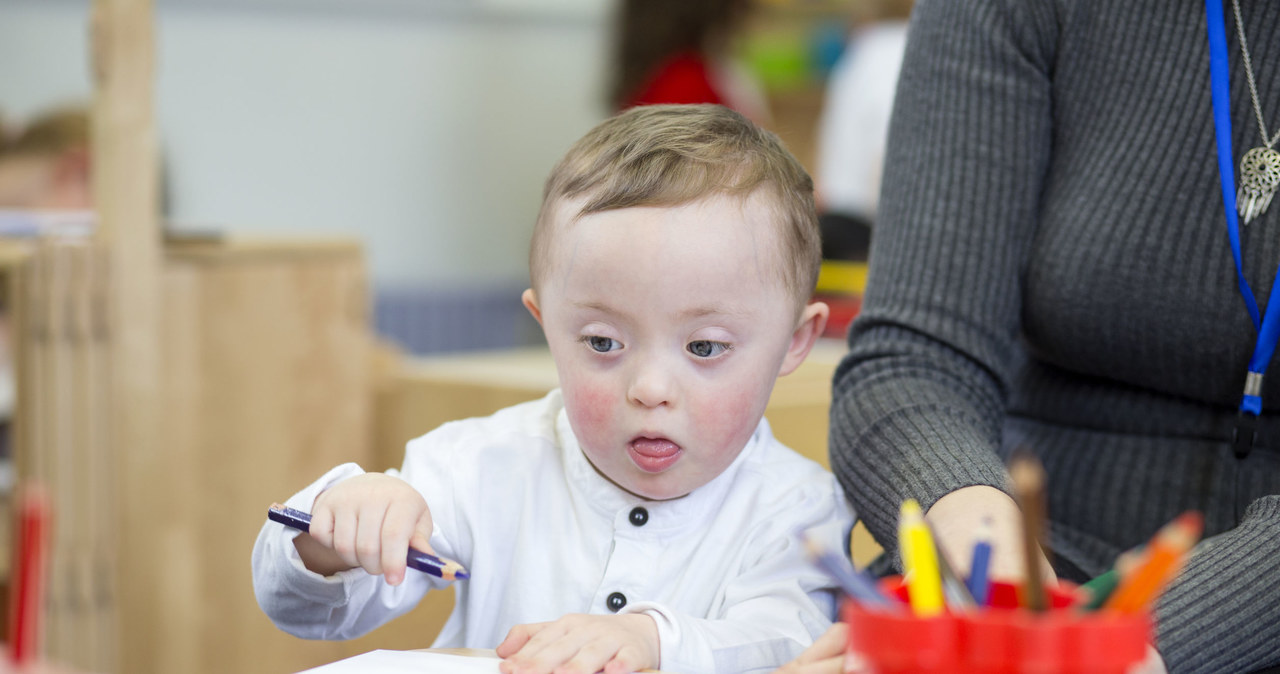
855 584
416 559
979 583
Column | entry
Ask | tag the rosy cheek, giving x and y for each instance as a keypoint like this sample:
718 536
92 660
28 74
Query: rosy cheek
590 408
728 414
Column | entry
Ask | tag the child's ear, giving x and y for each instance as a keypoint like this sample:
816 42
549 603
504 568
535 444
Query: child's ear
812 322
530 302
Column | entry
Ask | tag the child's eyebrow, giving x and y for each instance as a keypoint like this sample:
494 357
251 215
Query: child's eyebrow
594 306
686 314
701 312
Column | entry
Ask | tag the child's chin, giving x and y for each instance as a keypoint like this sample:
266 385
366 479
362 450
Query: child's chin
659 490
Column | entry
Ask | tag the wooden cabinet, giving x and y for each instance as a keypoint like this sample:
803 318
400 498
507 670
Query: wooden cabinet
266 381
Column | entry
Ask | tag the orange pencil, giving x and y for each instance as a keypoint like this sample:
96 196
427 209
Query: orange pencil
1161 561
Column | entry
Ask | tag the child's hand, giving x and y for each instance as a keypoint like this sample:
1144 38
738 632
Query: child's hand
582 644
826 656
368 521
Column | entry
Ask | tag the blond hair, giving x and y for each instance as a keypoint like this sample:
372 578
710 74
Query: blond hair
670 155
50 134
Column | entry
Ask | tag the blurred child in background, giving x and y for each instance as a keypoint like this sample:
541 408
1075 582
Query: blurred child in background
45 165
677 51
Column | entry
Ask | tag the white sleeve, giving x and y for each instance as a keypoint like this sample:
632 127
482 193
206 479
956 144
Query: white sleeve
307 605
774 607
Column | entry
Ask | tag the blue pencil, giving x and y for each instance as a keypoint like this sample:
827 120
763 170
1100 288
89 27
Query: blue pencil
422 561
979 584
855 584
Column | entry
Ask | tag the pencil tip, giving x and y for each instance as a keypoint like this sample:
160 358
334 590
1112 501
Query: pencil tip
1192 519
1186 528
1026 472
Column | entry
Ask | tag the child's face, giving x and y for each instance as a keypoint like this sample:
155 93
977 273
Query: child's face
669 327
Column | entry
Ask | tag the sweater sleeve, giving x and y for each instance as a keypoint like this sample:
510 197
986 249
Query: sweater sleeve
773 607
919 400
1219 616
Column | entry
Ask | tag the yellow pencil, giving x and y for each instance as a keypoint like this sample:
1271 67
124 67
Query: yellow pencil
919 561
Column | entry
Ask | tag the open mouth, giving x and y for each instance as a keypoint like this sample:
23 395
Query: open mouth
653 455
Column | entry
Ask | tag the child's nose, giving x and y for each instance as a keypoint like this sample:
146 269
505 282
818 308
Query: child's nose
651 386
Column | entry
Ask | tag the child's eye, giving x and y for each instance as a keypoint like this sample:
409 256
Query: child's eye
705 348
602 344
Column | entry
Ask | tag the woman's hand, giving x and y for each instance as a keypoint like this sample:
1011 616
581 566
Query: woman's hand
956 518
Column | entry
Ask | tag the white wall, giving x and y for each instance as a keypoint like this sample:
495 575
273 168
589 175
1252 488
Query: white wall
425 127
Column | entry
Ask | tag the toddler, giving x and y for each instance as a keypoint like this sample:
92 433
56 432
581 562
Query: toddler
642 515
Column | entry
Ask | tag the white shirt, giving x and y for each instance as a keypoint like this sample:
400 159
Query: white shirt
514 500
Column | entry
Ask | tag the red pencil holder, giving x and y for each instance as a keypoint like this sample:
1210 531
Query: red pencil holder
1000 638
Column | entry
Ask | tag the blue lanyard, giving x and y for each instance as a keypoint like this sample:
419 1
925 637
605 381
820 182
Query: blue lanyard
1268 326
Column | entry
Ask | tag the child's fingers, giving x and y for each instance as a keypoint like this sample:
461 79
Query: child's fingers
854 663
343 541
321 527
422 533
517 638
398 526
590 658
547 648
830 644
625 661
369 536
829 666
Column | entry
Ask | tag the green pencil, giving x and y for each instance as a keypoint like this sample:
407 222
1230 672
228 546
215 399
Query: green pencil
1098 589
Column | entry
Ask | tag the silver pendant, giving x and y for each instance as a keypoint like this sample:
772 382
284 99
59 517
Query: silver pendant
1259 177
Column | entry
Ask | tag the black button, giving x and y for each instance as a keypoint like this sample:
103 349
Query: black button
639 516
616 601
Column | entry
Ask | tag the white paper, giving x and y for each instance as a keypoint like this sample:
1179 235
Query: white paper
420 662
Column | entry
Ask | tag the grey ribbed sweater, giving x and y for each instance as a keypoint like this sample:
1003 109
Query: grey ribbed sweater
1050 268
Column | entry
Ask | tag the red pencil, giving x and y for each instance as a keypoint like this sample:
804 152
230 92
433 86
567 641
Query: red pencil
26 602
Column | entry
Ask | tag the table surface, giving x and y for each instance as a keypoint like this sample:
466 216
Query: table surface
489 653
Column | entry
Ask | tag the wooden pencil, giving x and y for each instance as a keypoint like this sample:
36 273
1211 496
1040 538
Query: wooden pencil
1162 560
27 595
1028 483
919 561
416 559
854 583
